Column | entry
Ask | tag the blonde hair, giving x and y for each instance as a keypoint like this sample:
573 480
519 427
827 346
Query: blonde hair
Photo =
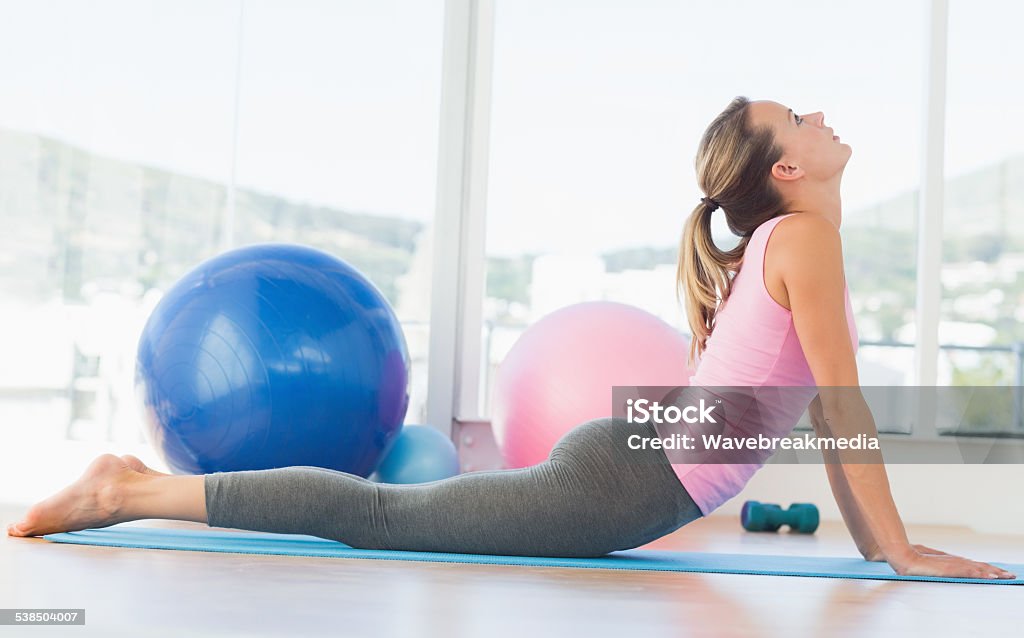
734 161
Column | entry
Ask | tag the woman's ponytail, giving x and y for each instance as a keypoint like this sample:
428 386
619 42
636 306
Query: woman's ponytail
734 162
703 276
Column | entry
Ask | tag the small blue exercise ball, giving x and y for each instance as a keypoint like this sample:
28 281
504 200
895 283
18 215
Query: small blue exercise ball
420 454
269 356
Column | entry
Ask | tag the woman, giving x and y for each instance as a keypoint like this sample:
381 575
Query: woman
773 173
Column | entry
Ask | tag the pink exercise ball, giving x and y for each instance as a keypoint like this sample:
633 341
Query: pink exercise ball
561 370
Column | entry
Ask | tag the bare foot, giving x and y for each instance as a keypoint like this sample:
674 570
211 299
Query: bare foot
94 500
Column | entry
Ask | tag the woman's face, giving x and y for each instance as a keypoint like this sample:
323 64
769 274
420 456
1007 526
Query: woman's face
810 149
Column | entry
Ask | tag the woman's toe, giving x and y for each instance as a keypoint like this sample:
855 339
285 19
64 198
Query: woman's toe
20 528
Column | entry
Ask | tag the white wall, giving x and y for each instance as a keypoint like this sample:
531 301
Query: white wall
985 498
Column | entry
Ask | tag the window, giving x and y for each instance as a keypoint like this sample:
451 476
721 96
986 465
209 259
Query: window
338 122
597 112
114 148
119 172
983 223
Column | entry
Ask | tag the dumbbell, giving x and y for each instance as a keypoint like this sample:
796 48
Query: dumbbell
768 517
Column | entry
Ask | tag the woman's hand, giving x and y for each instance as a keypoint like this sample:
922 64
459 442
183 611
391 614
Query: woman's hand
919 560
877 556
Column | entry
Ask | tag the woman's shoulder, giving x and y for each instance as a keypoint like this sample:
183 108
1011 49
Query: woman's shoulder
803 246
805 226
806 246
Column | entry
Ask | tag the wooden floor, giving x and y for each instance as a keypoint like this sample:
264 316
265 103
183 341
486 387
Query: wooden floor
174 593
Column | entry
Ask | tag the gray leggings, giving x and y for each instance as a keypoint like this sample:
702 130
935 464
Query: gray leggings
591 496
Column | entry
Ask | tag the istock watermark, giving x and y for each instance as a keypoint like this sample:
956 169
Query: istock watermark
652 411
806 424
719 442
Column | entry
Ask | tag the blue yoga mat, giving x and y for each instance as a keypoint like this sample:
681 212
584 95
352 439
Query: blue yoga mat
633 559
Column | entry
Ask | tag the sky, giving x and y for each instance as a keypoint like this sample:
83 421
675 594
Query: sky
597 107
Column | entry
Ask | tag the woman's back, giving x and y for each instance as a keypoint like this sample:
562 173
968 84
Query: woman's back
754 343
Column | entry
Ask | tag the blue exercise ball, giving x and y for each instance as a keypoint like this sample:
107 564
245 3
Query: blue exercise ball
420 454
270 356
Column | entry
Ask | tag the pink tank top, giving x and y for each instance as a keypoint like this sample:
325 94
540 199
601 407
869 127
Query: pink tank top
753 344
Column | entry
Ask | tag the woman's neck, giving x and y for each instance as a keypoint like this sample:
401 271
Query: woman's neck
822 199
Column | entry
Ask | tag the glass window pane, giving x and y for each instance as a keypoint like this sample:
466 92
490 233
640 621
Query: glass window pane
114 146
983 224
338 125
116 155
597 112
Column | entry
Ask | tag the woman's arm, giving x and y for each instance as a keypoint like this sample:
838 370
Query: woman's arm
807 250
867 507
867 497
844 498
858 527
